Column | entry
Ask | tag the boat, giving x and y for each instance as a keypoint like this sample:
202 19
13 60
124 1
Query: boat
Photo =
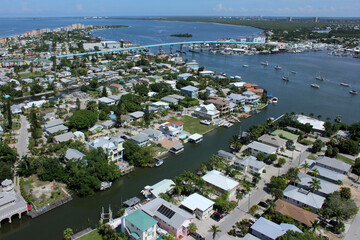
353 92
319 77
293 72
274 100
266 63
245 66
277 67
159 163
105 185
285 78
315 85
344 84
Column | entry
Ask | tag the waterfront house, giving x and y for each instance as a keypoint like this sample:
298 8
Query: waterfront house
229 156
268 230
250 164
139 226
251 98
140 139
172 128
207 112
164 186
190 91
301 215
63 137
256 147
112 146
220 104
198 205
303 198
333 164
343 134
192 66
274 141
236 98
195 138
206 73
220 182
73 154
316 124
170 217
326 187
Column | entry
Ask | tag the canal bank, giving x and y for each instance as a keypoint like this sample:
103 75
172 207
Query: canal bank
85 212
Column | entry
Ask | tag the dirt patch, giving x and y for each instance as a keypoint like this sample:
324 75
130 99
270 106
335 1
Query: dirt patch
167 143
354 192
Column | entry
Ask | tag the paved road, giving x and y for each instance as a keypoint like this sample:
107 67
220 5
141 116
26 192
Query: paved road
23 137
354 230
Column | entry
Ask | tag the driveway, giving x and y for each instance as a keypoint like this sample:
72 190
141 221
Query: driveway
23 137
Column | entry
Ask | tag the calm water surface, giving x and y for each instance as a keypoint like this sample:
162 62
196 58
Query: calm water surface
296 95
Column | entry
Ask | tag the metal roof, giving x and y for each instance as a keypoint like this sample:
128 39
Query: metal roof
141 220
196 201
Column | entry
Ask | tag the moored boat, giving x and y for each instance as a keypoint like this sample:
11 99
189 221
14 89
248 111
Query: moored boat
344 84
315 85
277 67
266 63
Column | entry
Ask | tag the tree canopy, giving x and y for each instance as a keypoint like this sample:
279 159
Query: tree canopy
83 119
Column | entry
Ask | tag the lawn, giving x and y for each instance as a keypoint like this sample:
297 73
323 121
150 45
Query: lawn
31 74
312 157
345 159
193 125
93 235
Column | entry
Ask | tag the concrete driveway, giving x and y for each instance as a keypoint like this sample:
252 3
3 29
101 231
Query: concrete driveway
23 137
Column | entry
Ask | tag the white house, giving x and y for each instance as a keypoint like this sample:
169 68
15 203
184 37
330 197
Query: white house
207 112
198 205
220 182
250 164
303 198
256 147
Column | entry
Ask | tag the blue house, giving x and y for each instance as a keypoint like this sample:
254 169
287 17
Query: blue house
190 91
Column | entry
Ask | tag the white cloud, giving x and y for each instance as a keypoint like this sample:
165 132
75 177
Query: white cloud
220 8
79 7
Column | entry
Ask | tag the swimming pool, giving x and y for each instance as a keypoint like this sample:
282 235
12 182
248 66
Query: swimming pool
183 136
112 116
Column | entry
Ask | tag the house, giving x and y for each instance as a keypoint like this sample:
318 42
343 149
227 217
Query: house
170 100
192 66
136 115
164 186
63 137
301 215
107 101
333 164
250 164
108 124
52 123
328 174
220 104
139 225
220 182
343 134
160 106
229 156
250 97
73 154
207 112
190 91
256 147
113 146
177 148
210 91
274 141
170 217
268 230
236 98
206 73
303 198
285 134
96 128
316 124
199 205
154 135
183 76
136 69
140 139
116 86
172 128
326 187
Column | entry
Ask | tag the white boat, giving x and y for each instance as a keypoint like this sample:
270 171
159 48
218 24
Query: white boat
344 84
293 72
105 185
245 66
353 92
319 77
315 85
159 163
277 67
266 63
285 78
274 100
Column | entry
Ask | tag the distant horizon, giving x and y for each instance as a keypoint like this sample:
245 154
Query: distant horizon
185 16
138 8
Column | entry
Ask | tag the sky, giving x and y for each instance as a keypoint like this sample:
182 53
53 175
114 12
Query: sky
295 8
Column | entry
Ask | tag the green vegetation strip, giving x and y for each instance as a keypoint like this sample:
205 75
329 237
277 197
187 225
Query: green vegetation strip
345 159
93 235
193 125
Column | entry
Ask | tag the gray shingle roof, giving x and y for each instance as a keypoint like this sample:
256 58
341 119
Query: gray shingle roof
333 163
64 137
262 147
73 154
304 196
140 137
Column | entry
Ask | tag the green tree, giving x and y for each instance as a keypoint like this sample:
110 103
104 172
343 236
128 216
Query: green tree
261 156
305 166
281 161
345 193
192 228
277 185
83 119
147 116
78 104
214 230
315 172
317 145
68 234
315 184
293 175
104 92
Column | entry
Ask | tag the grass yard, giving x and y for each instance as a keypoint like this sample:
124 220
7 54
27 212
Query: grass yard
312 157
31 75
93 235
193 125
345 159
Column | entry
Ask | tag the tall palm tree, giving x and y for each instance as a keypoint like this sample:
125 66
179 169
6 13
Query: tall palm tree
315 184
305 166
315 225
272 206
239 196
214 229
293 175
316 172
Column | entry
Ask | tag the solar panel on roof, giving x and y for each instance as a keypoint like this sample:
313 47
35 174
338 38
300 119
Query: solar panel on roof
166 211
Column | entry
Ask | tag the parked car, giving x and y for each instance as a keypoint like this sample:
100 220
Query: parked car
263 204
197 236
217 216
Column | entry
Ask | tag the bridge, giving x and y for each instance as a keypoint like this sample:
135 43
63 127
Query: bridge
161 45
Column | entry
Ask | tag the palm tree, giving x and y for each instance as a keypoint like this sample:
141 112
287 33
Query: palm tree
68 233
192 228
305 166
214 229
315 172
315 225
315 184
239 196
293 175
272 206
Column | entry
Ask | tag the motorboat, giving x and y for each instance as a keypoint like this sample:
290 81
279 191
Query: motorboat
245 66
315 85
353 92
319 77
277 67
344 84
293 72
266 63
285 78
